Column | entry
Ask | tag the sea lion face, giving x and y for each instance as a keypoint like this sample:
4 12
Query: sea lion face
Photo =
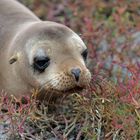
56 61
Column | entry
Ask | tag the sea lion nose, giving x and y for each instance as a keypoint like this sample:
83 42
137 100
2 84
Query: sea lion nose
76 73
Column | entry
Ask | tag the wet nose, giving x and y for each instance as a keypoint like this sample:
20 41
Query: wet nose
76 73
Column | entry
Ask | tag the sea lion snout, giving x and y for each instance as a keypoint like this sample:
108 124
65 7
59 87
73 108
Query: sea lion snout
76 73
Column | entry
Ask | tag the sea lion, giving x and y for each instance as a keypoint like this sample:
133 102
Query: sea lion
41 55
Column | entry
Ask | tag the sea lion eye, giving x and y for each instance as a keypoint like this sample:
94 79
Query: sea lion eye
84 54
41 63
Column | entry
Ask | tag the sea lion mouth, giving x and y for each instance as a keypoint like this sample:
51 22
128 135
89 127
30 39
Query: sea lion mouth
74 90
57 93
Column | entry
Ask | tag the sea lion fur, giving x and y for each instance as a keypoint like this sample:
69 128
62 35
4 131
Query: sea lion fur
41 55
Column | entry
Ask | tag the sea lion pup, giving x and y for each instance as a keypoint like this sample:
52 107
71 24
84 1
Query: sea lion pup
37 54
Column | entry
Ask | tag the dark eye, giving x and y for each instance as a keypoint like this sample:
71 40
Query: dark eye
84 54
41 63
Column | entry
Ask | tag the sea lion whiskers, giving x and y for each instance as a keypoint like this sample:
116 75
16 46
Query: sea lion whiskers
46 83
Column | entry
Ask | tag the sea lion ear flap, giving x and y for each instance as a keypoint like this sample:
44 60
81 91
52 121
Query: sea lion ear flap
14 58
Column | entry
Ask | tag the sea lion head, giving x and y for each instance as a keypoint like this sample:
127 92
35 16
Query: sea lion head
52 59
